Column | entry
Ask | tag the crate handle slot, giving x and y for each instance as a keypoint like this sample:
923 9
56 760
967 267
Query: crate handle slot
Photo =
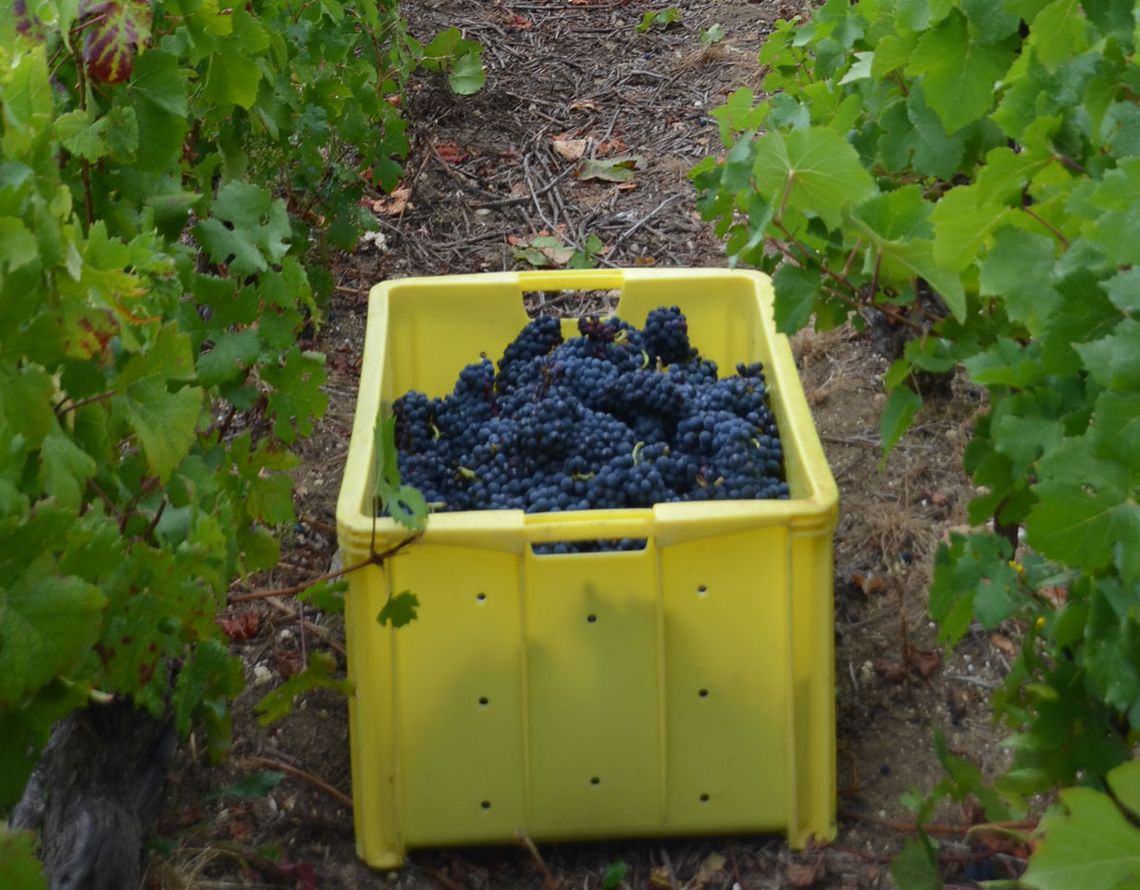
574 547
571 279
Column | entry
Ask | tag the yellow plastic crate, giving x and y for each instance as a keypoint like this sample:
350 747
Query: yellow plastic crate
687 688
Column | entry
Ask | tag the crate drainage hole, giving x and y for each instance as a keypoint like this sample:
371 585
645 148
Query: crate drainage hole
704 799
484 701
486 804
591 618
702 591
481 597
594 780
704 693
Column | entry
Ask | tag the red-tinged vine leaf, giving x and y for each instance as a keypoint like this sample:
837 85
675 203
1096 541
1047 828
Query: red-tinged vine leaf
115 30
451 152
240 627
302 872
26 24
400 609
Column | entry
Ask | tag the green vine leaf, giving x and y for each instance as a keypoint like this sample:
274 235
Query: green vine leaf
1087 841
815 171
165 420
916 866
959 71
405 504
318 674
1083 506
1058 31
1018 269
467 75
46 624
898 414
400 609
19 866
248 229
963 218
796 291
1124 782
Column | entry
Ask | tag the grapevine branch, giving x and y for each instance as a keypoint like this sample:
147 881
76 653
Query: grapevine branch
314 780
853 301
90 400
373 559
1053 230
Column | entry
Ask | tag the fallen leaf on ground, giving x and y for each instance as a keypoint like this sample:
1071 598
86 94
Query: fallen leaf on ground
890 670
240 627
644 261
583 105
612 146
710 868
519 22
618 169
571 149
869 584
1056 595
544 251
1004 643
394 204
925 661
660 876
806 874
288 662
450 152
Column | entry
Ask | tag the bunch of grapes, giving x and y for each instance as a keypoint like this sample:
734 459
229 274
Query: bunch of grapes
615 418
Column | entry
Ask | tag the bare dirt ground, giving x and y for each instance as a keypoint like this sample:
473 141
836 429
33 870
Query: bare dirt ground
485 177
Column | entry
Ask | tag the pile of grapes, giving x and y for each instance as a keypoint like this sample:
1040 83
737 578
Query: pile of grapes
617 417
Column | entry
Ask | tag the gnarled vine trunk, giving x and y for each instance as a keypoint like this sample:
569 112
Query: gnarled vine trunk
95 794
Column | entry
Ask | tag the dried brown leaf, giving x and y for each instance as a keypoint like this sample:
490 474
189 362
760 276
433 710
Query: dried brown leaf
807 874
571 149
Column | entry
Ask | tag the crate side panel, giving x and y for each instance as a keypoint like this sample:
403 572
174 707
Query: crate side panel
372 719
594 686
813 666
436 327
727 682
461 696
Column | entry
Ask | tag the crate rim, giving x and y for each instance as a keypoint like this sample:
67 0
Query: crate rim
495 528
